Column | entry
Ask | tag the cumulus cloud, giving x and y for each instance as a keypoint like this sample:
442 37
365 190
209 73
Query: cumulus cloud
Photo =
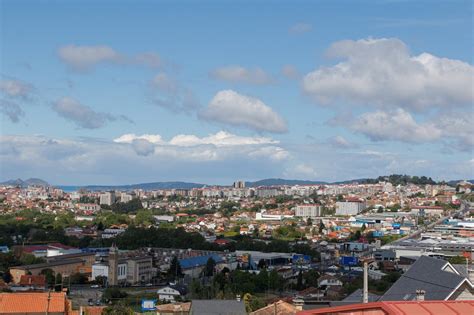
11 110
458 127
82 115
83 58
395 125
230 107
88 160
213 144
170 94
300 28
382 72
239 74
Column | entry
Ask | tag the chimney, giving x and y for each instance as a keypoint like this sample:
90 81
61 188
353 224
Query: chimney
366 283
298 303
420 295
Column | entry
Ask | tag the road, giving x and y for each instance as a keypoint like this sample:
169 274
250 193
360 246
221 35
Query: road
465 206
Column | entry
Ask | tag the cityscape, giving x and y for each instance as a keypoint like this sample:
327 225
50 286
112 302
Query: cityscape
237 157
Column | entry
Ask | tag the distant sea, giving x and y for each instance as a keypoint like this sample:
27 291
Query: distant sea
69 188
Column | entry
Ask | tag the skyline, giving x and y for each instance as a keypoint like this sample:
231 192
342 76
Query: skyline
93 93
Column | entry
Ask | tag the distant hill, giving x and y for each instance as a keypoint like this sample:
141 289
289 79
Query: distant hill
25 183
144 186
455 182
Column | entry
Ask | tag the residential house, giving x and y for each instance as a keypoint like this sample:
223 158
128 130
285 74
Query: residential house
171 293
439 279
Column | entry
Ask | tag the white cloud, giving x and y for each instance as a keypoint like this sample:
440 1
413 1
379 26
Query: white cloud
301 171
89 161
130 137
82 58
239 74
381 72
300 28
230 107
82 115
15 88
86 57
459 127
395 125
341 142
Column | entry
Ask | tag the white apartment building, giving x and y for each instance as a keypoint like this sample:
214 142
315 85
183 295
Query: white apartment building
107 198
351 206
308 211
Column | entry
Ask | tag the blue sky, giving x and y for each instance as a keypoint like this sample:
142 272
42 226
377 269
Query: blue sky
113 92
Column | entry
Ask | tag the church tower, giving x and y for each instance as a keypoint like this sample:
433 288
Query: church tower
113 266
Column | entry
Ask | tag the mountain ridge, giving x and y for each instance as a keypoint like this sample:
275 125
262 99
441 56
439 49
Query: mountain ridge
188 185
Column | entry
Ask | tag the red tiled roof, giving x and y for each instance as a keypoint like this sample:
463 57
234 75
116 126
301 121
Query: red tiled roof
400 308
11 303
28 280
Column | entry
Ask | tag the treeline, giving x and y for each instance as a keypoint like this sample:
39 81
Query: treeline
395 180
135 237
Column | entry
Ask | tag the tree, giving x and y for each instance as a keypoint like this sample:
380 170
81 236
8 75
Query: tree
58 282
210 265
311 278
101 280
117 309
457 260
299 281
380 209
49 276
322 227
175 271
7 276
309 222
113 295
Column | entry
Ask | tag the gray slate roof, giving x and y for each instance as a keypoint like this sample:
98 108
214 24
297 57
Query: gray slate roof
217 307
356 297
424 274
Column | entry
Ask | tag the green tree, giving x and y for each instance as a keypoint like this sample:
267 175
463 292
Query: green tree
210 266
311 278
458 260
58 282
117 309
175 271
49 276
144 217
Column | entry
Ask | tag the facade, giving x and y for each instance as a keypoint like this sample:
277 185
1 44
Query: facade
139 269
350 207
308 211
107 198
239 184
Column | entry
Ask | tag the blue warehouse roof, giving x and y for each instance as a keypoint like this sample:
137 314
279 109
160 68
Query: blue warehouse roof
192 262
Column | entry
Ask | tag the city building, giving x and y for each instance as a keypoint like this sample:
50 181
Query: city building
107 198
35 303
308 211
350 206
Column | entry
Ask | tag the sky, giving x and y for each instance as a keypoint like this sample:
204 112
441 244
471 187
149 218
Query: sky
121 92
